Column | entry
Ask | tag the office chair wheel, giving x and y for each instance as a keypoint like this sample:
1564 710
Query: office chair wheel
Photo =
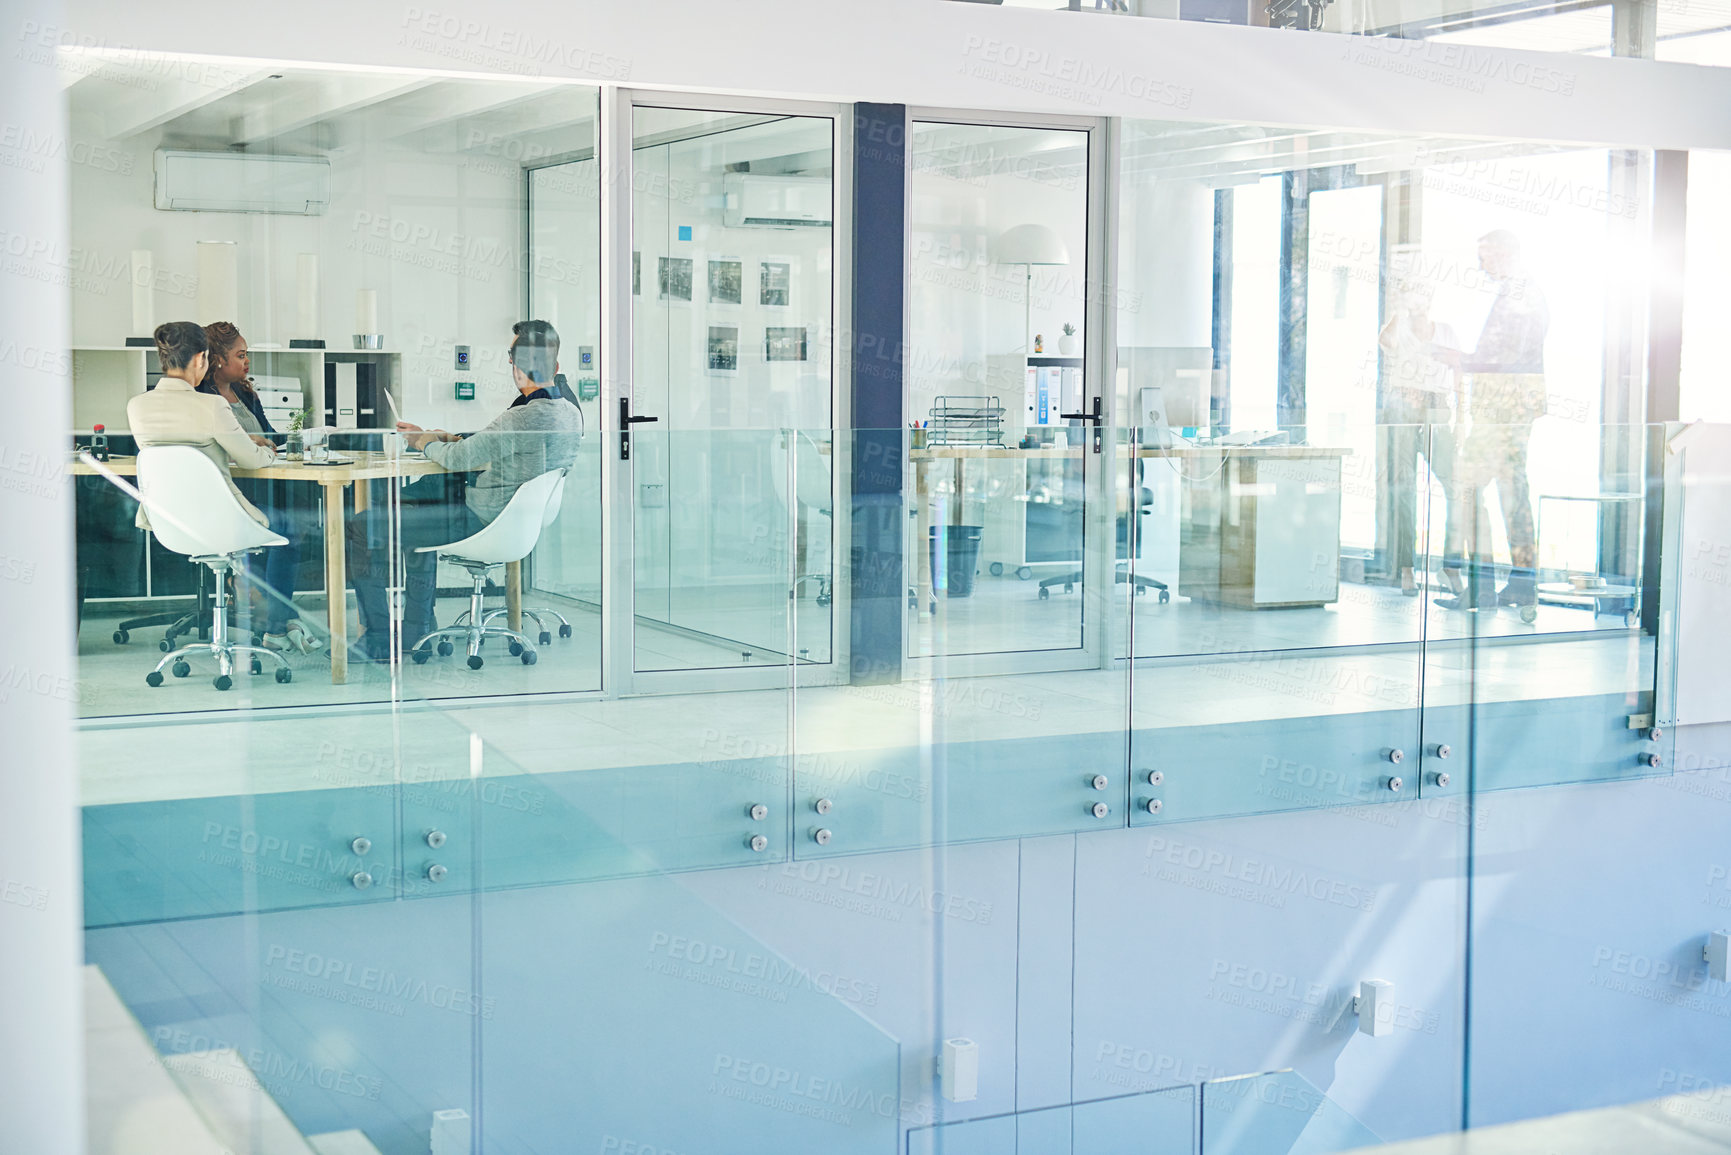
420 656
154 678
257 666
1068 588
180 669
222 681
544 638
1045 593
823 601
514 646
166 645
997 569
1141 590
446 649
474 661
1529 614
284 674
1165 596
530 657
565 630
1024 572
933 608
121 637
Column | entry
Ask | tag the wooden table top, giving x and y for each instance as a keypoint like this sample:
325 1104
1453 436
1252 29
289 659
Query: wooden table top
366 465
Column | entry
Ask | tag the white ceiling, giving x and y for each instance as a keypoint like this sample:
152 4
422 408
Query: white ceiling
297 109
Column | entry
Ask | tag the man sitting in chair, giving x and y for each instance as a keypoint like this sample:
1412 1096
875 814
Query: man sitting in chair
539 432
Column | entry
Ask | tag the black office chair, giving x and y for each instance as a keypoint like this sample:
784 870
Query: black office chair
195 619
112 555
1126 545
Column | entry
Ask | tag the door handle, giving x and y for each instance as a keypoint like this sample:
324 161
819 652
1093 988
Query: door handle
626 421
1096 417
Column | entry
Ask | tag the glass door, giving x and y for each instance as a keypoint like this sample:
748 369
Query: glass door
725 449
1007 431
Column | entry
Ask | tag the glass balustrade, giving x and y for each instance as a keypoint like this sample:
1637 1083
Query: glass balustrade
378 903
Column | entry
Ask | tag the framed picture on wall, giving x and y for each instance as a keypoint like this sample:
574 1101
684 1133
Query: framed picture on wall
675 276
636 273
724 349
775 282
726 280
784 343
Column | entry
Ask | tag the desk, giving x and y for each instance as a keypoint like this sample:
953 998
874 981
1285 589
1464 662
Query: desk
1260 527
1261 523
368 465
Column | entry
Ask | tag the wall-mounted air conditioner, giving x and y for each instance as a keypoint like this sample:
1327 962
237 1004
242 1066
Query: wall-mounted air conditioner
239 182
776 202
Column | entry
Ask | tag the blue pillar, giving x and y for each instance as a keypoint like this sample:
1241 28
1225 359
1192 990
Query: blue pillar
878 582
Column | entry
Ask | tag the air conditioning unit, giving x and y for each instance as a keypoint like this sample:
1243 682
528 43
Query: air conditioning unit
776 202
241 182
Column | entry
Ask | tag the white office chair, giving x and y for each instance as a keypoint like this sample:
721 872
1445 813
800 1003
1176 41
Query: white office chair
192 512
811 490
507 538
544 635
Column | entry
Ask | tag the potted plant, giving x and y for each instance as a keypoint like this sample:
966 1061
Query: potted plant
1069 344
293 450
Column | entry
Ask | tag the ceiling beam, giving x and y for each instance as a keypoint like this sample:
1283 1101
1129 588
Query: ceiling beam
460 101
320 97
189 85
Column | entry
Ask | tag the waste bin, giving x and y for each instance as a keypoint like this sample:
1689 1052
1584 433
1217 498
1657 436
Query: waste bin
953 568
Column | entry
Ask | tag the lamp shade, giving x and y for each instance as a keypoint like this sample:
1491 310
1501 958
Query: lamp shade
1030 244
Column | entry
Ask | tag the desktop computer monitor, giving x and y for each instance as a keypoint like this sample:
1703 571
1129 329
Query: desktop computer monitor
1168 389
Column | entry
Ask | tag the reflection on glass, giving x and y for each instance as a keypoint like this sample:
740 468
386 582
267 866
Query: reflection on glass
565 290
1279 1112
999 473
1151 1123
731 485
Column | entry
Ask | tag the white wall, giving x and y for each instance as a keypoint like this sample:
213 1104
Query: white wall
967 312
438 235
41 908
1166 264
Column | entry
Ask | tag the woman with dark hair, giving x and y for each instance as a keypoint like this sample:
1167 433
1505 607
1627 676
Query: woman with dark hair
229 377
175 413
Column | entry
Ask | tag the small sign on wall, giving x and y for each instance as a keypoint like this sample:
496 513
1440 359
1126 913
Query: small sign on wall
465 390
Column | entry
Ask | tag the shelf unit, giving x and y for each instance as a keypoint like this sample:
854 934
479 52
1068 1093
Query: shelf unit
106 377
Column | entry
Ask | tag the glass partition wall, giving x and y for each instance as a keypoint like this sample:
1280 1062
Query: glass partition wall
1222 693
732 291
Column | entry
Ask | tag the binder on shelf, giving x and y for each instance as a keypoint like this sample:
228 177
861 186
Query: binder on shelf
340 405
368 407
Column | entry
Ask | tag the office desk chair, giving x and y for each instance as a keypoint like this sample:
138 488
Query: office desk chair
811 490
507 538
192 512
536 613
1126 542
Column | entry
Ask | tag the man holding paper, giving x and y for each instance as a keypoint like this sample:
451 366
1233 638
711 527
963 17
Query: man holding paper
540 431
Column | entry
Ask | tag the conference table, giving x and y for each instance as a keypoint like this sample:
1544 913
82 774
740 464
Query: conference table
355 465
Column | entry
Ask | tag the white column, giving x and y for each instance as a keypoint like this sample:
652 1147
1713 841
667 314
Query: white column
41 1016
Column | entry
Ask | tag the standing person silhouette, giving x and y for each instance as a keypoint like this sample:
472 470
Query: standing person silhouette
1506 374
1421 400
